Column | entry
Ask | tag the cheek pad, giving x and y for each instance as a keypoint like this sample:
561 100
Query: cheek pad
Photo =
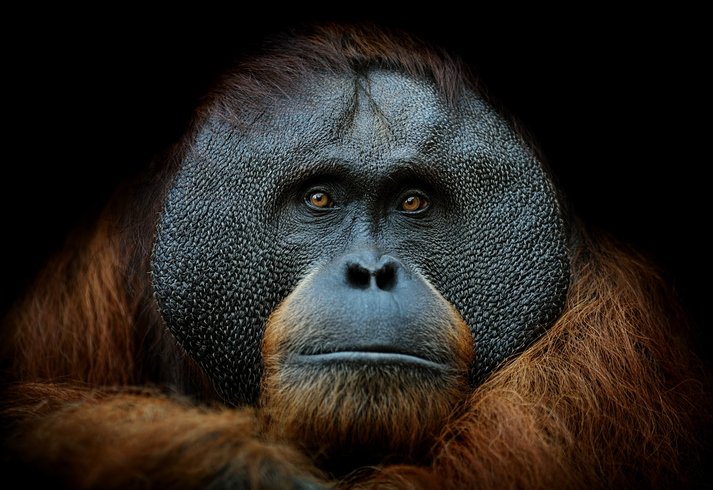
514 276
505 264
213 276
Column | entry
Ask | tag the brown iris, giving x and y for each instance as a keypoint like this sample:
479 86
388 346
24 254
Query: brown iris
320 200
414 203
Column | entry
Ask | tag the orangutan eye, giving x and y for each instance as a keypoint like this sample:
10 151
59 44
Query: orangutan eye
319 200
414 203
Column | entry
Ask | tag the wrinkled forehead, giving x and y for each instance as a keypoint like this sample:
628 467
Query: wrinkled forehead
375 118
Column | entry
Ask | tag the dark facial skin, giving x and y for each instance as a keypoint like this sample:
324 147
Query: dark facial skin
389 201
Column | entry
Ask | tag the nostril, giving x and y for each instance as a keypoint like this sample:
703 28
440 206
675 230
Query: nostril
386 277
370 272
358 276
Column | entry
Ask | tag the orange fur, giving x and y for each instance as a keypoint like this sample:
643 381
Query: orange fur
141 439
74 326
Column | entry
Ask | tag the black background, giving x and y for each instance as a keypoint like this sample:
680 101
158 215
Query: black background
615 99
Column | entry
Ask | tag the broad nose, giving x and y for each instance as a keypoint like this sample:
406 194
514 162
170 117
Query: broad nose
369 270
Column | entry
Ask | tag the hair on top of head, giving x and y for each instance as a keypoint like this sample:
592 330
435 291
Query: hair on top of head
287 60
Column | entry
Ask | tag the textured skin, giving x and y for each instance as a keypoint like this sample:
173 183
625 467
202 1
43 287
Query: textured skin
235 237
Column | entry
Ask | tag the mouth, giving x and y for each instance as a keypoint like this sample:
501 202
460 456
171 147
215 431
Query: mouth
373 356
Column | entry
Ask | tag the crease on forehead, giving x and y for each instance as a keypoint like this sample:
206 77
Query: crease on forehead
371 119
391 109
341 105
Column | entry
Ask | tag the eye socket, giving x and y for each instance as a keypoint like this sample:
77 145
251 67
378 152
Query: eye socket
319 200
414 203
